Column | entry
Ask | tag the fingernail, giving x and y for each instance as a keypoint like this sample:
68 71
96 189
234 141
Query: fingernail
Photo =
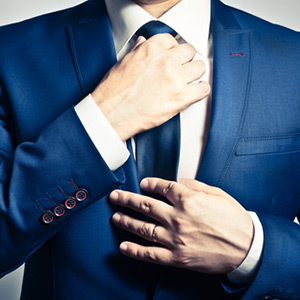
123 247
116 218
114 196
144 184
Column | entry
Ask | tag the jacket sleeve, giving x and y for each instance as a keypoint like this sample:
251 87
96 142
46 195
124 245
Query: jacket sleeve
36 180
279 274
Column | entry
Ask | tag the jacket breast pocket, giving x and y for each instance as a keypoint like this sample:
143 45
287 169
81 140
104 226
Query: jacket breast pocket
268 145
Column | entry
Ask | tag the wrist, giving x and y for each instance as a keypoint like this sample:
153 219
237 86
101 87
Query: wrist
115 114
246 271
105 139
122 126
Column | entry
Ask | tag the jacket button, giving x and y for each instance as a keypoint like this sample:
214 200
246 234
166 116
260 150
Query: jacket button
59 210
70 203
80 195
48 217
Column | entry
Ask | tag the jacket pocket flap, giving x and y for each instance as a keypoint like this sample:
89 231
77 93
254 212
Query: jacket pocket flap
268 145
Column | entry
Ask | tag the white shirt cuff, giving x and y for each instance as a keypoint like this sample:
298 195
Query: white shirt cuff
246 272
102 134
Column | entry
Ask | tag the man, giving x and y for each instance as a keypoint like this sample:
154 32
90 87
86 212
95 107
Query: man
57 170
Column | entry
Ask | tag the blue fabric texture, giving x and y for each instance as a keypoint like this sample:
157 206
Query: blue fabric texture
252 153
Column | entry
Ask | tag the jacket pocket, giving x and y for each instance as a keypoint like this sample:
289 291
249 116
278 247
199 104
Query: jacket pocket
268 145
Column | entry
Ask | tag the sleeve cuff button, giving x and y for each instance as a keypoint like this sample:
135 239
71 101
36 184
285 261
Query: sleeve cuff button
70 203
81 195
48 217
59 210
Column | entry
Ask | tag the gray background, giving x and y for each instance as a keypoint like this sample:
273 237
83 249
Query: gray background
284 12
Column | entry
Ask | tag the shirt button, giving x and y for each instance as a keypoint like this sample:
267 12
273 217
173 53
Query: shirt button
59 210
48 217
80 195
70 203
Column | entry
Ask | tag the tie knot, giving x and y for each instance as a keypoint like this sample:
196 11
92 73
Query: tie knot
155 27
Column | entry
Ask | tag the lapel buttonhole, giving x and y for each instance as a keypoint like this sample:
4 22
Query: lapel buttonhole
241 54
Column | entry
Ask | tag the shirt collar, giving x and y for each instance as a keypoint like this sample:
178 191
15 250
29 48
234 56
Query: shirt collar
189 18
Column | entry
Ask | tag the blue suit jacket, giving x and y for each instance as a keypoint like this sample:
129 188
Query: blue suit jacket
48 64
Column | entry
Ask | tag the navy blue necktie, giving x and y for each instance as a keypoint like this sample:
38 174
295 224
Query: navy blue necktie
157 150
155 27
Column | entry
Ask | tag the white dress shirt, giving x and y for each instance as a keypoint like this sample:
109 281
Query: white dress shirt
191 20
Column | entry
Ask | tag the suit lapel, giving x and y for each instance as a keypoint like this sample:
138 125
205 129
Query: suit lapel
92 46
93 54
231 73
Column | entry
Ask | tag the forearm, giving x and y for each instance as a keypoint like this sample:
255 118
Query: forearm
62 152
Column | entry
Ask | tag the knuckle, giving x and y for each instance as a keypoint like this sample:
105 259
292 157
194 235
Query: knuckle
179 241
143 230
151 46
133 251
182 201
168 37
191 48
125 197
164 61
168 188
198 67
149 255
145 206
125 222
207 87
166 40
178 224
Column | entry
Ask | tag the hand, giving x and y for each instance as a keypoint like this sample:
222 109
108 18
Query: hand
205 230
150 85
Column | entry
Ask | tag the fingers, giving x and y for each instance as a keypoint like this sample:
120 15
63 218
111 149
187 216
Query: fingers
164 39
148 231
171 190
155 209
182 53
158 43
193 70
155 255
198 186
197 91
